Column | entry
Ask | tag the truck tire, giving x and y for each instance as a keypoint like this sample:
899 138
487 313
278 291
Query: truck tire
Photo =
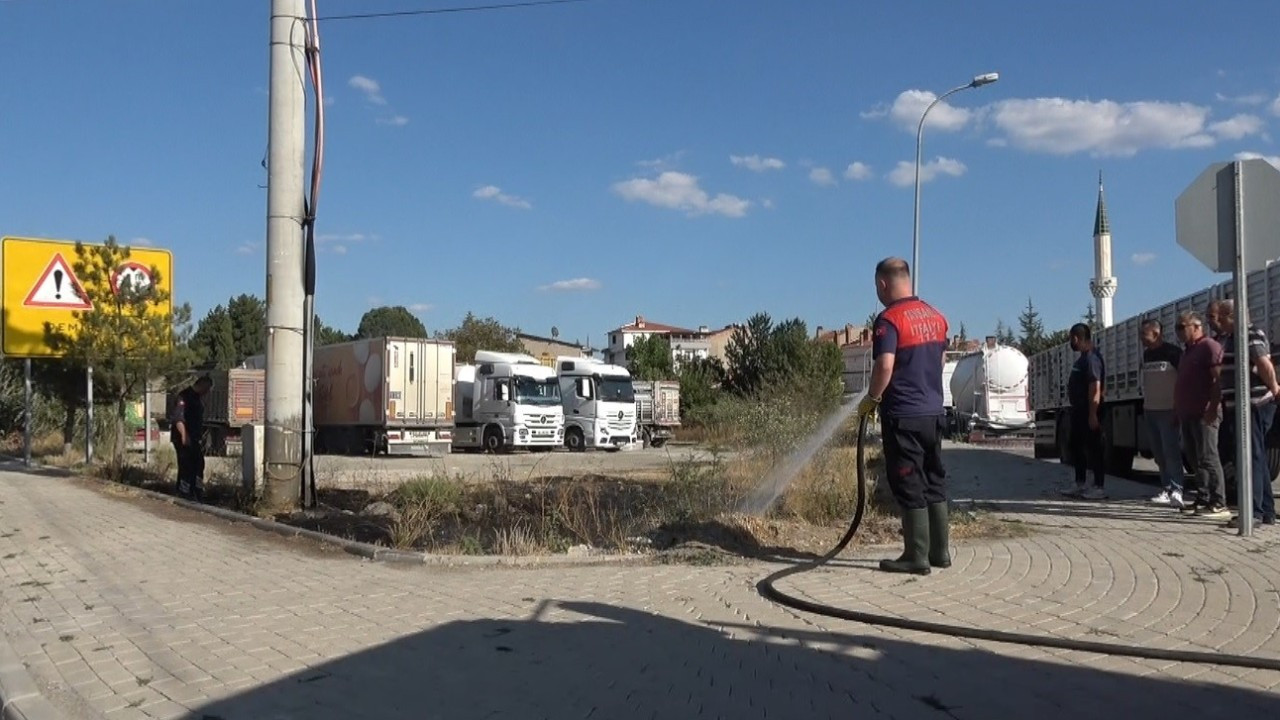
574 440
1063 433
658 442
493 440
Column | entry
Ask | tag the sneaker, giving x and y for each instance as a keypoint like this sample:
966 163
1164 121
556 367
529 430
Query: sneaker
1175 499
1073 491
1234 522
1215 510
1164 498
1094 493
1269 521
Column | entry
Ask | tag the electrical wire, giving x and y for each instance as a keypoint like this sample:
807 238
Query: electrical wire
442 11
767 589
310 203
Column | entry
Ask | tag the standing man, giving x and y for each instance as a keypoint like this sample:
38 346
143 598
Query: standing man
1196 402
909 339
1084 392
1159 375
1263 391
187 420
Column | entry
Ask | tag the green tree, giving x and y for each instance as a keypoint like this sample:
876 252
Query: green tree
325 335
63 380
127 336
1004 334
763 358
482 334
1032 327
1090 318
390 321
649 358
213 341
962 336
700 381
248 316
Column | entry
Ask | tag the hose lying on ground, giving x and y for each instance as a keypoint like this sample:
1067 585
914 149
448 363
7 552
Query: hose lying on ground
767 589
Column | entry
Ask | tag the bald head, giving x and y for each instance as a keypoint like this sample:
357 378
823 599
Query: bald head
893 279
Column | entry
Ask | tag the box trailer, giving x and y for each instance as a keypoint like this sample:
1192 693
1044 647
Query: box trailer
657 410
384 395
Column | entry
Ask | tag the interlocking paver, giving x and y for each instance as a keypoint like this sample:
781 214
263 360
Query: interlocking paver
167 613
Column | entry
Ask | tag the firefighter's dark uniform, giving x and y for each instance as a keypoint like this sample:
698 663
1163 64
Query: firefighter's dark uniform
912 422
189 408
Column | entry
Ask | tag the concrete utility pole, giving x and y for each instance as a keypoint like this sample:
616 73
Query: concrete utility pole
287 135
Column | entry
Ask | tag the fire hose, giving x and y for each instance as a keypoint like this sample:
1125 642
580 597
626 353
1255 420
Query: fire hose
767 589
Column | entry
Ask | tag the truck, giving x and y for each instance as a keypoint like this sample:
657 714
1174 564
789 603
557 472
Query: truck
599 403
236 400
506 401
384 395
657 410
988 390
1124 431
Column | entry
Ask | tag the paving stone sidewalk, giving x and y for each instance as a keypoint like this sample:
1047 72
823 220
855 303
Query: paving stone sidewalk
130 608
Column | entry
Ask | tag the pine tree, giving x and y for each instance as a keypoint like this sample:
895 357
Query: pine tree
1032 330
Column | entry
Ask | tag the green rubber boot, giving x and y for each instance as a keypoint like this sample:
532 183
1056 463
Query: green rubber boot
915 536
939 529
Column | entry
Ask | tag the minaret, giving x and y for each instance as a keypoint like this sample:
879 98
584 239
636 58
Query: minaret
1103 285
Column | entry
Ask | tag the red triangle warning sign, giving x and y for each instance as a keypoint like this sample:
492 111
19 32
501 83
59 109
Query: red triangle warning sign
57 287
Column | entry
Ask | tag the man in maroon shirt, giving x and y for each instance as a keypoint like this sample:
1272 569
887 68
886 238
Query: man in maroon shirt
1197 404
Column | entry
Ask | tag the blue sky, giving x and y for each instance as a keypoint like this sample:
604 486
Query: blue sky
694 161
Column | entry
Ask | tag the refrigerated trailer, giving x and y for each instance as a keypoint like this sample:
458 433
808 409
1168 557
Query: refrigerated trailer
384 395
1124 431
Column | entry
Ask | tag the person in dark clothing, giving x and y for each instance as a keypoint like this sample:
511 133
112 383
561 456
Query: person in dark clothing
909 339
1159 375
187 429
1085 388
1197 401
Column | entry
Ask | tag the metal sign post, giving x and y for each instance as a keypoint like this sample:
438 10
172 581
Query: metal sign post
26 415
1244 426
88 416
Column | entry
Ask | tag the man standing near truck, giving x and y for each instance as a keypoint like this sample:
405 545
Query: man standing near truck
1196 398
1084 392
1159 374
909 340
1263 392
186 432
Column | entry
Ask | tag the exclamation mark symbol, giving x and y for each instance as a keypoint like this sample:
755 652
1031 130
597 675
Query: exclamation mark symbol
57 284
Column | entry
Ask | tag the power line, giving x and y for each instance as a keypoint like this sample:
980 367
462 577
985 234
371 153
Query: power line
441 11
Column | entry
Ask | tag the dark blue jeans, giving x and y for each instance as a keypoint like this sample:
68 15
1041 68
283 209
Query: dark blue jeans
1263 502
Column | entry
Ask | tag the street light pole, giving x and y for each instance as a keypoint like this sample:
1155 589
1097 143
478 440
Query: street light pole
978 81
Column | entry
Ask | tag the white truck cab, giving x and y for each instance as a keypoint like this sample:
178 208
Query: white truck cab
506 401
599 403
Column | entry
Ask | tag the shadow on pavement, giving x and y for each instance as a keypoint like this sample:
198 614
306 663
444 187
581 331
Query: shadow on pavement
622 663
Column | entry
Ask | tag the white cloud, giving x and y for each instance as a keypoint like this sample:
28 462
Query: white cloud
394 121
680 191
767 203
1275 106
822 176
666 162
755 163
858 171
420 307
1062 127
369 87
1250 99
904 175
1273 159
340 243
1143 258
910 104
247 248
142 241
1237 127
339 250
581 283
493 192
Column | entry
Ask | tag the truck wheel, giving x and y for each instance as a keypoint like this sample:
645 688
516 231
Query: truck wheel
493 440
574 440
1063 434
1273 462
658 442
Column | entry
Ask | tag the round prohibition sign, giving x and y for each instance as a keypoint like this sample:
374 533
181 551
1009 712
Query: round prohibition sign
138 275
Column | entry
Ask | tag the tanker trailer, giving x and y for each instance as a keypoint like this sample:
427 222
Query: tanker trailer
989 390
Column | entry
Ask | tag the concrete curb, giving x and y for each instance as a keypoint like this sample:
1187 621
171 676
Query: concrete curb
20 699
374 553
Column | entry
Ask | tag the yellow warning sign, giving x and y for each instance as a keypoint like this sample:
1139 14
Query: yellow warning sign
40 285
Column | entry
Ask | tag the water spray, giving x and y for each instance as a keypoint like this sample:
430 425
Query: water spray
767 590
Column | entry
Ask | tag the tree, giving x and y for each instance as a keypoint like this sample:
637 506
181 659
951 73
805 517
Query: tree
62 379
1032 330
962 336
325 335
555 332
213 342
248 316
700 381
482 334
127 336
1090 318
1004 334
393 321
649 358
762 357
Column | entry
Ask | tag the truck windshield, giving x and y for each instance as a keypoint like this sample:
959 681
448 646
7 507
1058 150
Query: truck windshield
614 388
537 392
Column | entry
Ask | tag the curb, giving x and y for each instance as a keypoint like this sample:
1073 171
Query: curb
375 553
20 699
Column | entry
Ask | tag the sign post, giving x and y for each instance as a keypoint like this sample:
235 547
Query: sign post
26 415
1227 234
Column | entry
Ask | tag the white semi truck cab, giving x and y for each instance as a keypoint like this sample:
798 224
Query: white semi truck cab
506 401
599 404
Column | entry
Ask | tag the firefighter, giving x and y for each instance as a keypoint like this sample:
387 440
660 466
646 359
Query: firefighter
186 432
908 341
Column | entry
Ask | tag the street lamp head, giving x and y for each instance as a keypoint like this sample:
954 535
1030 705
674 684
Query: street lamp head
984 79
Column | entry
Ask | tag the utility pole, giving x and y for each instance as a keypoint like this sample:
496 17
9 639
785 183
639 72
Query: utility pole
285 156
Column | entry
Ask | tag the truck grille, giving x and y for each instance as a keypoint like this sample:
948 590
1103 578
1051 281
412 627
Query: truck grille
621 422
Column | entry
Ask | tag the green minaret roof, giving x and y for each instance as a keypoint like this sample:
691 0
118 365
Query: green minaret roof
1100 223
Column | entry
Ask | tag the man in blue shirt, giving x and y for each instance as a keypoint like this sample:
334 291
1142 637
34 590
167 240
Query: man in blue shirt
1084 392
909 339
